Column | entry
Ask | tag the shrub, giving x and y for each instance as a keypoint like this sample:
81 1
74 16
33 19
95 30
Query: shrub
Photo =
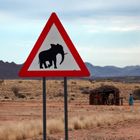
85 90
55 126
6 97
15 90
102 84
136 94
136 86
21 96
72 95
21 130
73 82
59 94
71 98
91 81
31 129
32 98
1 81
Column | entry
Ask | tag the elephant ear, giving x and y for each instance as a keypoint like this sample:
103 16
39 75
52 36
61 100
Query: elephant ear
53 46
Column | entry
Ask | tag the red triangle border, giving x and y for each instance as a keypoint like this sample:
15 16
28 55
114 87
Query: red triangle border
63 73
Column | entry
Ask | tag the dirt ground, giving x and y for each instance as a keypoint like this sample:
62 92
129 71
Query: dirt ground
17 111
123 131
14 109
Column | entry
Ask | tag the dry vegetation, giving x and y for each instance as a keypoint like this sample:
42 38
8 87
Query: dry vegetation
21 108
21 130
33 88
24 130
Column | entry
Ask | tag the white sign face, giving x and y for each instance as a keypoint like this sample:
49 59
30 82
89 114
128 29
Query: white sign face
53 54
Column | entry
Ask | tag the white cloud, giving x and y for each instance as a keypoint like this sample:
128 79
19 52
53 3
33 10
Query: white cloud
70 9
111 24
22 21
110 56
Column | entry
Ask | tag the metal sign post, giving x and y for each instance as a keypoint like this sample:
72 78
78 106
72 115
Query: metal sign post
65 108
36 63
44 108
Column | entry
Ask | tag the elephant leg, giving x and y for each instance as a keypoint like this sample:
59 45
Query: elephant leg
45 64
50 63
55 67
41 65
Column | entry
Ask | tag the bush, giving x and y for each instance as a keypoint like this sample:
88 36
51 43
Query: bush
71 98
136 94
1 81
91 81
6 97
85 90
15 90
20 96
73 82
59 94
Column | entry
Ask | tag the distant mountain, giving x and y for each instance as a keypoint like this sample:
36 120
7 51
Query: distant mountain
10 70
112 71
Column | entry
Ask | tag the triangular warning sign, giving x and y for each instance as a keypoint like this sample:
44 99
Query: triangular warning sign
53 54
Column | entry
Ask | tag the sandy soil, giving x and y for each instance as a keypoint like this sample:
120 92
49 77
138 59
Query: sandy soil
16 111
123 131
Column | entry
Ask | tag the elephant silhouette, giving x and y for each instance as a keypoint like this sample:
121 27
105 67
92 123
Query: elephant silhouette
50 56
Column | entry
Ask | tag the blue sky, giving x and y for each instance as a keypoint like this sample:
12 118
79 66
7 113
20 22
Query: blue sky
105 32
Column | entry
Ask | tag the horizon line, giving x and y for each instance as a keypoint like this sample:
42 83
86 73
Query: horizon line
84 62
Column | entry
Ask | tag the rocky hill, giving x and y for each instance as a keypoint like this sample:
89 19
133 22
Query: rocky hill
10 70
112 71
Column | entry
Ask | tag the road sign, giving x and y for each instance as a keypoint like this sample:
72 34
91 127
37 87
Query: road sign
54 54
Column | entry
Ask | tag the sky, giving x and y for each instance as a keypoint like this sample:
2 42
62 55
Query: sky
105 32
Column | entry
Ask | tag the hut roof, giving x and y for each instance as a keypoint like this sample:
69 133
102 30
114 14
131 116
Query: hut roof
105 89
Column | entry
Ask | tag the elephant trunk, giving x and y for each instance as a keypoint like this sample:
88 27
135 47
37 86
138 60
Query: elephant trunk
62 54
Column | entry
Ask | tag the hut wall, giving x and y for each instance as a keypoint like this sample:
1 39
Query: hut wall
100 96
91 99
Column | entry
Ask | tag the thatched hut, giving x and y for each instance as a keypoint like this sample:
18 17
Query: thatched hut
105 95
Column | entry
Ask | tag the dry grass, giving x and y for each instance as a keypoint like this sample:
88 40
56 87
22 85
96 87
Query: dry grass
32 129
33 88
102 119
21 130
55 126
95 116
